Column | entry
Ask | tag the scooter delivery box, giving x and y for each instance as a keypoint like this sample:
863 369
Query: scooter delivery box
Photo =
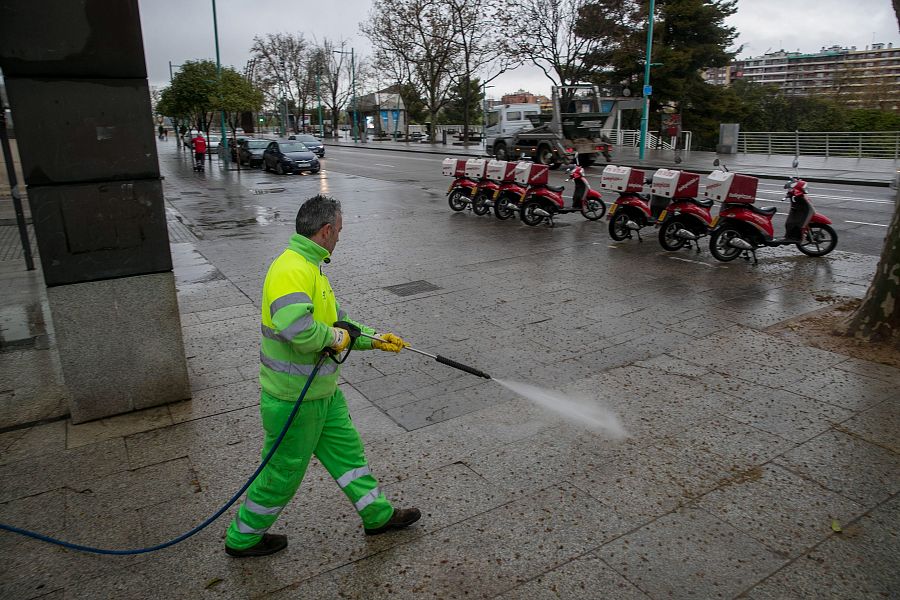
501 170
453 167
622 179
475 168
675 184
528 173
725 186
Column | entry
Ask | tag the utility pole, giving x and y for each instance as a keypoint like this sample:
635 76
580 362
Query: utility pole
647 89
224 137
319 99
355 125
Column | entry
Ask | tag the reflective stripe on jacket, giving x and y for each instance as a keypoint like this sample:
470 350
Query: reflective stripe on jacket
298 310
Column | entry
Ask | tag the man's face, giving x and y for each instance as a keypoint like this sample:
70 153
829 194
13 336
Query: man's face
331 234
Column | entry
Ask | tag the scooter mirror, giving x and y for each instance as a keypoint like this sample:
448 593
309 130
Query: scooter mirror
716 163
796 162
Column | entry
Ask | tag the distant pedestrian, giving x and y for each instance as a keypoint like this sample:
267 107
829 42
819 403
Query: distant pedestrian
162 131
166 133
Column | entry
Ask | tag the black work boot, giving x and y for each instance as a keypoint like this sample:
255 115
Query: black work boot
402 518
269 544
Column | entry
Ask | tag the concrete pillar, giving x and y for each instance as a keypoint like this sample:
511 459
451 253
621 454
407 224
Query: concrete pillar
77 85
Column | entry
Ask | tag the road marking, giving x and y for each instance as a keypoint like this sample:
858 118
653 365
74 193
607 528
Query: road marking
381 165
696 262
864 223
851 198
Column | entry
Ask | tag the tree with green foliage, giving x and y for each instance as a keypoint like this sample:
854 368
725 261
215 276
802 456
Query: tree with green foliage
689 36
191 93
235 95
456 110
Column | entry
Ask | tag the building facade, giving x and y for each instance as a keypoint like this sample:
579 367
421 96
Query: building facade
868 78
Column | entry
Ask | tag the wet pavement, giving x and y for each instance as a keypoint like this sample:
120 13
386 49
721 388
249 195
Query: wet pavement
746 454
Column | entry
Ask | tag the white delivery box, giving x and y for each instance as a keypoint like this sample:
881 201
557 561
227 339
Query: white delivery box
732 188
453 167
500 170
622 179
475 168
528 173
671 183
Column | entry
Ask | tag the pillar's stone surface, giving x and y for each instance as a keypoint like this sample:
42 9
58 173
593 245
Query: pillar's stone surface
119 344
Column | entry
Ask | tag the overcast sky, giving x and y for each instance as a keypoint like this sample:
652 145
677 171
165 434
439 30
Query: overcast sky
179 30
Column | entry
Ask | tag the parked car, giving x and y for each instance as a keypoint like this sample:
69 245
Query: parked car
311 142
250 151
289 156
212 144
233 143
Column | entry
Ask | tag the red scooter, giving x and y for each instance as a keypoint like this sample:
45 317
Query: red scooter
687 218
542 201
463 188
632 210
499 190
741 227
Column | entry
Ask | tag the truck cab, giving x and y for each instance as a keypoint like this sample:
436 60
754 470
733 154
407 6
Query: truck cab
505 119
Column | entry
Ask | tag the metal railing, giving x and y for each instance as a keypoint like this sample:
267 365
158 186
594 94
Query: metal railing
868 144
632 137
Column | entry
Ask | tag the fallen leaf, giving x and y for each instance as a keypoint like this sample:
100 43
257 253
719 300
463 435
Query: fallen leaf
213 581
835 526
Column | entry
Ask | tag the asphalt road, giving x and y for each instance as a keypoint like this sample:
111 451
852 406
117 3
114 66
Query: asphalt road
860 214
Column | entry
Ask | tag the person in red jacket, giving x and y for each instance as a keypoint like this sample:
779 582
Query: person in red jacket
199 143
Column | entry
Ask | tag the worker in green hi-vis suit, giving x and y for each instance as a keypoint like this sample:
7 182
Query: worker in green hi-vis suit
299 311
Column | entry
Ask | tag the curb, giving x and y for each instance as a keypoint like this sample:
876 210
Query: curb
479 154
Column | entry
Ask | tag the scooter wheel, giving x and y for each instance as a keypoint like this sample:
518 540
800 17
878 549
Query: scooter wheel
456 199
593 209
617 229
818 240
503 209
720 247
479 205
527 214
667 238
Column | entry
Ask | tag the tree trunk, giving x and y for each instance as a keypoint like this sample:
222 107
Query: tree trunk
878 317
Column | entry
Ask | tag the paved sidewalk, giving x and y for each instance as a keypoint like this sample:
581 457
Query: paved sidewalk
864 171
745 454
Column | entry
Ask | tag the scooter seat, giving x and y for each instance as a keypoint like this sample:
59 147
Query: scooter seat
765 210
555 188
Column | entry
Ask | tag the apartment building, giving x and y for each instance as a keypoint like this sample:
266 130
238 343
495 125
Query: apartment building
867 78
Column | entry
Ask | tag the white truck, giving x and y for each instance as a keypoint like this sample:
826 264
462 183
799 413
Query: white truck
578 122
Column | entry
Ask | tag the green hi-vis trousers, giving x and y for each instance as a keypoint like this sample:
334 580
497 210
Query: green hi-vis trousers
321 427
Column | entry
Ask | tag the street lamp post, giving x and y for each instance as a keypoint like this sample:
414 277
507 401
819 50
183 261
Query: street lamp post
224 138
353 108
647 90
484 107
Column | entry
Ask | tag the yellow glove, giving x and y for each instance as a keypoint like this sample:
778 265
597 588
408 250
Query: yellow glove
341 339
390 343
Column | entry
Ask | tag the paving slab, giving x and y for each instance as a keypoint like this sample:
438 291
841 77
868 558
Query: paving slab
690 554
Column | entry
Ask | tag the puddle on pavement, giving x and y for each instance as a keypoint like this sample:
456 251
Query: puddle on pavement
22 325
191 267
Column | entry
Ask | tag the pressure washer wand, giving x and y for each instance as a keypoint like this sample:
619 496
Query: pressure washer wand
441 359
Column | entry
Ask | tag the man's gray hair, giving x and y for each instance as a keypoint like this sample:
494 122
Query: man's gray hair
315 213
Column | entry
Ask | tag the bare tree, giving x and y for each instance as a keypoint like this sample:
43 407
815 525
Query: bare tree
334 62
480 47
284 61
543 33
417 32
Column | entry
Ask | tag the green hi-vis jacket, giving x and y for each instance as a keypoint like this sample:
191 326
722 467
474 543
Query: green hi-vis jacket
298 310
